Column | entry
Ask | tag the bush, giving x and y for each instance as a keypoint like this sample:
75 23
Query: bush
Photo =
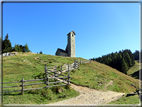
68 87
58 89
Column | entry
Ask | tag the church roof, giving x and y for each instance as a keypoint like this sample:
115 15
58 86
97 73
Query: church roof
73 32
61 50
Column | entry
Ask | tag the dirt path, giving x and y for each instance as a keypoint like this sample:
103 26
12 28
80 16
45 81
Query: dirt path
91 96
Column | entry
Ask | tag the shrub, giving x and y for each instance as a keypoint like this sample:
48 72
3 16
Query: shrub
68 87
58 89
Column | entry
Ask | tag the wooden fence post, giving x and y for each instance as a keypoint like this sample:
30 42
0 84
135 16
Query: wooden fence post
22 85
74 64
47 80
61 69
78 64
56 73
68 75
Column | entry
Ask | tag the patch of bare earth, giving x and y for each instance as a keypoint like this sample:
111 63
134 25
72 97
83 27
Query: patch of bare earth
91 96
36 58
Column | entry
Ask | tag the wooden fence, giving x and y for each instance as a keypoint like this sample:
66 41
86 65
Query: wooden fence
51 73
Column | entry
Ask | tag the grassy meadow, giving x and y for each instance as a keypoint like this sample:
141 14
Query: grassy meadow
29 65
96 75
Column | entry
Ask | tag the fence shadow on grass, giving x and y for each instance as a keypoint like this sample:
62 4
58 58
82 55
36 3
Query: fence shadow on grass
12 94
132 94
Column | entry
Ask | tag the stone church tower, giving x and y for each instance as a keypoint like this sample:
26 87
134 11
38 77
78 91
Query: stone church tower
70 48
71 44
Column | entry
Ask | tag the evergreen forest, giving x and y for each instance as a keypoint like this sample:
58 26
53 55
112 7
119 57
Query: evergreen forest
121 60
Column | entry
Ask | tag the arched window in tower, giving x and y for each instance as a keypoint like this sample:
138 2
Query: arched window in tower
72 35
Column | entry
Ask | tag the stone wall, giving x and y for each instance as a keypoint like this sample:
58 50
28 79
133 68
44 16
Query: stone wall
8 54
63 54
59 53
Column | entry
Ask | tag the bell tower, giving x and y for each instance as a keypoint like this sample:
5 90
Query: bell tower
71 44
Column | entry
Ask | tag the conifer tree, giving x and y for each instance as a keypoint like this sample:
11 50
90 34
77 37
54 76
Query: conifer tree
136 55
122 61
18 48
124 66
132 57
26 48
6 45
15 48
128 60
119 59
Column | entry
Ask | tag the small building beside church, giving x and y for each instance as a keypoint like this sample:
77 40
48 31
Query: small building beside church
70 48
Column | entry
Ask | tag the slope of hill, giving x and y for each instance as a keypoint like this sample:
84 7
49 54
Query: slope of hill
134 71
96 75
28 66
93 75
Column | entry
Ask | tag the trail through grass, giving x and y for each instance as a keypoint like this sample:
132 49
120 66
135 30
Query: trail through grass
28 65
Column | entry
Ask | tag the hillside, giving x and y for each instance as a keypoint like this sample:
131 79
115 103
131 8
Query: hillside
134 71
93 75
96 75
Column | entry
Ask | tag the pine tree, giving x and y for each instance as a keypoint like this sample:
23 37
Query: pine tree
132 57
18 48
6 45
124 66
26 48
136 55
128 60
119 59
15 48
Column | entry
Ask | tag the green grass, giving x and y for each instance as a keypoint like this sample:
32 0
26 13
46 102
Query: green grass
43 96
134 70
29 66
127 100
96 75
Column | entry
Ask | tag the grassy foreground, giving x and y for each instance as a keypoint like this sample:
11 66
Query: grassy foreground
43 96
96 75
134 72
127 100
28 65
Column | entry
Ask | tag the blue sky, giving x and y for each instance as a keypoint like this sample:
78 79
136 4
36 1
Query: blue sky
101 28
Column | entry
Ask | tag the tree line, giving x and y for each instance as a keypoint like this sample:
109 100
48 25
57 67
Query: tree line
137 54
6 46
121 61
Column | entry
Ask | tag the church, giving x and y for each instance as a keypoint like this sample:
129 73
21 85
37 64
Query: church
70 48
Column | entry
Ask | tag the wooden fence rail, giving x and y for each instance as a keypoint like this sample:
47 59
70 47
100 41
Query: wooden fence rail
48 70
